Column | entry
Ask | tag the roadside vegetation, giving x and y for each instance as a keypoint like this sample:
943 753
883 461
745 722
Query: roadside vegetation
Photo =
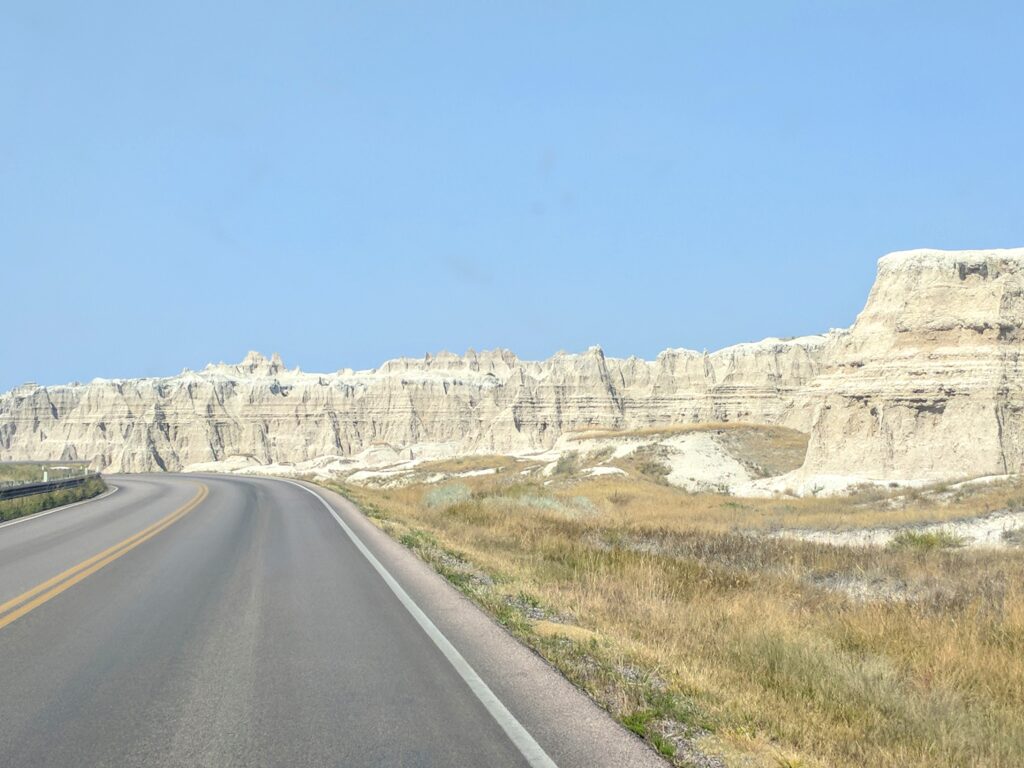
12 472
30 505
723 646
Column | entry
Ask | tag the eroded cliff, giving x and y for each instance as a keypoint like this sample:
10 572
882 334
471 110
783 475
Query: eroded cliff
927 383
490 401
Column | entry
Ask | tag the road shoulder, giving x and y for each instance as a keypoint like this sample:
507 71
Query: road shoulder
570 727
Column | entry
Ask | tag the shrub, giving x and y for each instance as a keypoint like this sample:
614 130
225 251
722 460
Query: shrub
1014 536
446 496
926 540
567 464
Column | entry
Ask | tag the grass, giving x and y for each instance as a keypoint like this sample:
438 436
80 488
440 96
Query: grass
567 464
1014 537
467 464
665 430
30 505
648 461
32 472
428 471
764 450
653 504
926 540
767 451
699 634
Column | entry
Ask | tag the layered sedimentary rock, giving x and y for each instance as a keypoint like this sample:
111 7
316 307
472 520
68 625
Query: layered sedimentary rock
490 401
927 383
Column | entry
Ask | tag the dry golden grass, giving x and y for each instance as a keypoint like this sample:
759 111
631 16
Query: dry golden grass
773 448
654 505
664 430
768 451
764 450
546 628
697 634
468 464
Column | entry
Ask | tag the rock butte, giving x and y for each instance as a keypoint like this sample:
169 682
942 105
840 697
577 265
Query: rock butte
926 384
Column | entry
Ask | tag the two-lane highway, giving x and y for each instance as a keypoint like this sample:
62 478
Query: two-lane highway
219 621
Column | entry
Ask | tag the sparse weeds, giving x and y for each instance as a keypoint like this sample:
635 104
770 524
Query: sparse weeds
467 464
653 469
668 430
619 498
785 761
417 540
1013 537
567 464
600 456
649 461
374 513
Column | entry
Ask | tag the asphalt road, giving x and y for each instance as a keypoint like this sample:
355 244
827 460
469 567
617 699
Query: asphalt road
221 621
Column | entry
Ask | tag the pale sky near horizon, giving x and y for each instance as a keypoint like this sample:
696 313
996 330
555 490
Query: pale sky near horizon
348 182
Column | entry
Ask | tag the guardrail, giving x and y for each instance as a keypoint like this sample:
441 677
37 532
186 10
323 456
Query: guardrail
30 489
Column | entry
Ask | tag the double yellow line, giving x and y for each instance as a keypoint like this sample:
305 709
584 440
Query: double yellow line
17 607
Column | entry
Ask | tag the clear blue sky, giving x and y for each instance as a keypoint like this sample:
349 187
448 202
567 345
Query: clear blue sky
348 182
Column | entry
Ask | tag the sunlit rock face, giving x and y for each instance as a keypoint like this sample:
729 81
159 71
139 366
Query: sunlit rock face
927 383
489 401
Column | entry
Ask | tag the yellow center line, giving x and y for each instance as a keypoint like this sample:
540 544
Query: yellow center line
67 579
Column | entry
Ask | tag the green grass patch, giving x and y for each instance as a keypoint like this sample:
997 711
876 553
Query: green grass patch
39 502
32 471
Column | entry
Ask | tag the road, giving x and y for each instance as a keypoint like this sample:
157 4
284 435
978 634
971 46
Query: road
222 621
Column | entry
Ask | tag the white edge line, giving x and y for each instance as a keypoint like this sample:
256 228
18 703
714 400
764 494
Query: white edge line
113 489
524 742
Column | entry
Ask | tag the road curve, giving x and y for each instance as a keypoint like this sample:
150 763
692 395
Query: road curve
222 621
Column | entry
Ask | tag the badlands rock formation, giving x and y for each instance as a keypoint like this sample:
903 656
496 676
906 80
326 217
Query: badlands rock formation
445 405
926 384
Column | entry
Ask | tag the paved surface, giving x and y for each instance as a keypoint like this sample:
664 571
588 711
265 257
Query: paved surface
220 621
